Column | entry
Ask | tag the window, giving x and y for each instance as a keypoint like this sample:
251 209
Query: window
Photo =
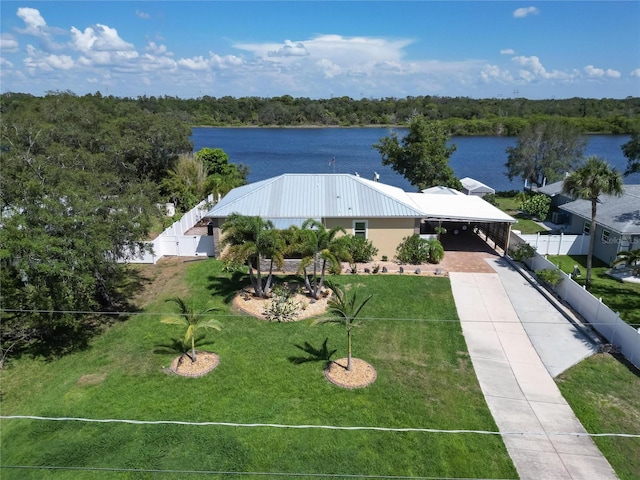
587 228
605 236
360 228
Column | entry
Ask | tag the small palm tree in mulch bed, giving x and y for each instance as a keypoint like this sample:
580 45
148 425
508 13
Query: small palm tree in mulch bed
345 309
193 321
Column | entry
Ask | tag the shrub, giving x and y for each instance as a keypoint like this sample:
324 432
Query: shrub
537 206
522 251
360 249
282 307
413 250
551 276
436 251
490 198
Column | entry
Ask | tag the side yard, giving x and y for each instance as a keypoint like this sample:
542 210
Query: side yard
623 297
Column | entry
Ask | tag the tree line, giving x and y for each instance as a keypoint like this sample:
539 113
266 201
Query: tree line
461 115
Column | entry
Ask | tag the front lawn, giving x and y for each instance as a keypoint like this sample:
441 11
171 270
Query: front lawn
411 336
623 297
604 393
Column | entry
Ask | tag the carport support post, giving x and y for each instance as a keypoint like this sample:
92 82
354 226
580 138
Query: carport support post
506 245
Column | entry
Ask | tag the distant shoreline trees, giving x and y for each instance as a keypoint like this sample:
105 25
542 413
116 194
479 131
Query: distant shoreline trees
460 115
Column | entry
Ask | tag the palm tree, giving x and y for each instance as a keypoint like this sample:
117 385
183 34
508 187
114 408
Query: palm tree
630 258
594 178
250 240
192 320
318 245
346 308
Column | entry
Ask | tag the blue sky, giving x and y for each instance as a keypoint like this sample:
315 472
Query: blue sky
321 49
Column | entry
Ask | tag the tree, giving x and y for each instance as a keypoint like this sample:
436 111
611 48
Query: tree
222 176
249 241
631 150
630 258
68 218
346 308
186 183
594 178
537 206
545 150
422 156
318 245
191 319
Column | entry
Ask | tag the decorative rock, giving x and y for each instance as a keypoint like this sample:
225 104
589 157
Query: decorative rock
384 270
417 271
367 270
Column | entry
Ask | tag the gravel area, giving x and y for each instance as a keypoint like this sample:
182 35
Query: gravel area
247 303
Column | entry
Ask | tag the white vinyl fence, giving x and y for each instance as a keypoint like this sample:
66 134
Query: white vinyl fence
555 244
605 321
174 242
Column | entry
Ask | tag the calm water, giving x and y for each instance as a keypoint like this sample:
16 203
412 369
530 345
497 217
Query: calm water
273 151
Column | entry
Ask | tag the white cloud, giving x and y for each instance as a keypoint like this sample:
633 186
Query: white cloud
34 22
591 71
290 49
507 51
493 72
533 69
195 63
8 43
594 72
35 60
142 15
5 63
100 38
524 12
152 47
635 73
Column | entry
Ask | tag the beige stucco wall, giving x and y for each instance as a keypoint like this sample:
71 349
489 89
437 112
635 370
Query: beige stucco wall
385 233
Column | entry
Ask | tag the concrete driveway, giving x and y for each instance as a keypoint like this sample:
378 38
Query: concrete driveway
516 338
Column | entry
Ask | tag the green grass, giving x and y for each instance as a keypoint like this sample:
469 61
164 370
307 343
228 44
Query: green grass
623 297
425 379
511 206
604 393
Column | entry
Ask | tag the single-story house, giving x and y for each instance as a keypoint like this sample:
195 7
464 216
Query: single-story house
471 186
617 222
558 198
382 213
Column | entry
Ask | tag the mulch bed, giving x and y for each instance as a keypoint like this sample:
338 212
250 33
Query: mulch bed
361 374
205 362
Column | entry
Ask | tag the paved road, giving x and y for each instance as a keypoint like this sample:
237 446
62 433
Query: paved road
517 340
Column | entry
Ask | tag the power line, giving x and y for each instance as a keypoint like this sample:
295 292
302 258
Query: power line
312 427
214 472
231 315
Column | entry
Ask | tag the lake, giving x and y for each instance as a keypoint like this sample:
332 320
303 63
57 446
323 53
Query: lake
269 152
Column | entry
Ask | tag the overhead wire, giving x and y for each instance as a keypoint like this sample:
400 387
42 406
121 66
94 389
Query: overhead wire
317 427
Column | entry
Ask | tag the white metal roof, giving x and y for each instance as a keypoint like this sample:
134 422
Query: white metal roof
458 207
316 196
297 196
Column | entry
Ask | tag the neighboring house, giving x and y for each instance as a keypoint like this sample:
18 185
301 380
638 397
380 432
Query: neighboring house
471 186
382 213
558 198
617 222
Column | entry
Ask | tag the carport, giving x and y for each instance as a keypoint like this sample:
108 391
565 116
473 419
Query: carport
470 222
